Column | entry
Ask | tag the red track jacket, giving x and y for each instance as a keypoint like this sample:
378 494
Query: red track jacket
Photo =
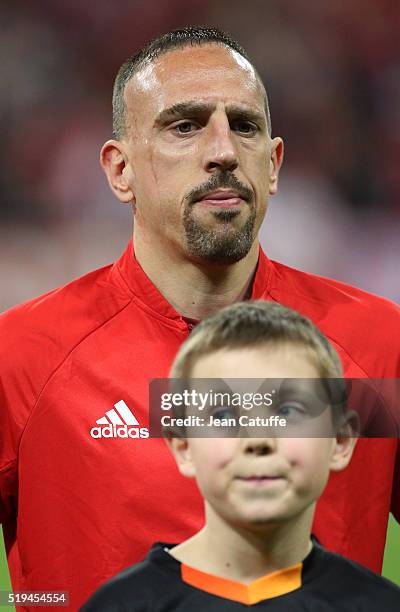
75 508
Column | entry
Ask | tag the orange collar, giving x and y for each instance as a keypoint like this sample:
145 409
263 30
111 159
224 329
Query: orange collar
273 585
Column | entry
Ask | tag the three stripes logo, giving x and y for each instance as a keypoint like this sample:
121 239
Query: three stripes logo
119 422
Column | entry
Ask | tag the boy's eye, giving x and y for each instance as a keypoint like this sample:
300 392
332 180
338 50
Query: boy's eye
224 413
292 411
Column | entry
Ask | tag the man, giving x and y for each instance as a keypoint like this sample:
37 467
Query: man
194 156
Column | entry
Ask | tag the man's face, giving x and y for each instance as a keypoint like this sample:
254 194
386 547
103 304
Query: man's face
199 160
256 481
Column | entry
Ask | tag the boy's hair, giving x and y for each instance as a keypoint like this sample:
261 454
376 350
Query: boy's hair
256 324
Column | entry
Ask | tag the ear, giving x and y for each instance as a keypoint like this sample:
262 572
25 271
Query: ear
180 448
275 163
344 442
114 162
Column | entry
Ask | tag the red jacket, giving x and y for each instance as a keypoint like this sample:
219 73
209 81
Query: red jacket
77 509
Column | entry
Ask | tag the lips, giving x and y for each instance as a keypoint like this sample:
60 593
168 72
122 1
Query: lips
259 477
222 199
257 481
269 474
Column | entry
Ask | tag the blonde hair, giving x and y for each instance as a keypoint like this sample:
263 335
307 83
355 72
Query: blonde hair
257 323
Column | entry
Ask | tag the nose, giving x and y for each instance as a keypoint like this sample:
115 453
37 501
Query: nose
259 446
220 149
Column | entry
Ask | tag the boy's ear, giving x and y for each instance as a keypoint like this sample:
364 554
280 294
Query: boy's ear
345 441
180 449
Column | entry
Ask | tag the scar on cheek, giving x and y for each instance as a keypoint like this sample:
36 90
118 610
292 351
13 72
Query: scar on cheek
158 193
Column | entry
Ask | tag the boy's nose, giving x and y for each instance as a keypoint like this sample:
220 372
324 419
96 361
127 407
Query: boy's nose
259 446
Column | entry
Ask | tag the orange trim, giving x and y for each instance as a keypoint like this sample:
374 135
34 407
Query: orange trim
273 585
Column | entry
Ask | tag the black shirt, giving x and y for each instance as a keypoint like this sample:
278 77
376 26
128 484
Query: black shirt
323 582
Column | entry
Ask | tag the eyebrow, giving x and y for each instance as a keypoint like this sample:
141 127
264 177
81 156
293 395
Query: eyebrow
248 114
194 108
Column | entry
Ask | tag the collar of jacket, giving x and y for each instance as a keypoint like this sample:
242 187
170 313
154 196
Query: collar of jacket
139 284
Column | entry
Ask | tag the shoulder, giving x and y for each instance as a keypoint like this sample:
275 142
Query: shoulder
78 296
39 334
143 583
127 586
61 314
363 585
320 289
365 326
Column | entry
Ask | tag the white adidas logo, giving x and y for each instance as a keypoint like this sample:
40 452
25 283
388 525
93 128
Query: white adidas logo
119 422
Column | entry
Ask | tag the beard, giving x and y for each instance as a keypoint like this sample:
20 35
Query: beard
223 244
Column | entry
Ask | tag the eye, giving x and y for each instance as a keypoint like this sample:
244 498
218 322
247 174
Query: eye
245 127
185 127
292 411
224 413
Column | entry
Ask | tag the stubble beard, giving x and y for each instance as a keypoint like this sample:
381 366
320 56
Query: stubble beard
223 245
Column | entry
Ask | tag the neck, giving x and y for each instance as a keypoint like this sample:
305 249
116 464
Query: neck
246 554
195 289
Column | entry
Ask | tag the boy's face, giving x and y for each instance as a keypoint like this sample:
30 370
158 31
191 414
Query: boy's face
255 481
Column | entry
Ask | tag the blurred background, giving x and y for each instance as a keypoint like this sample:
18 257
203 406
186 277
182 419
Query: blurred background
332 70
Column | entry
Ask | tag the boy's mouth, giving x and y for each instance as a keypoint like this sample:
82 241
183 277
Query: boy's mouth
260 479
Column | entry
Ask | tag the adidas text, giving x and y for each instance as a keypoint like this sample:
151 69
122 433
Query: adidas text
119 431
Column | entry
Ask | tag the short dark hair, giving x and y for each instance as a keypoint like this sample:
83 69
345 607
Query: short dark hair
184 37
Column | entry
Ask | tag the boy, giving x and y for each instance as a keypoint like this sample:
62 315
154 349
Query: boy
255 549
